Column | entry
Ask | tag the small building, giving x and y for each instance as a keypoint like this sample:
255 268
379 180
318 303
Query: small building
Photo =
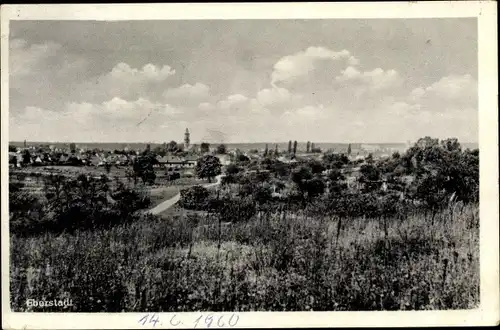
176 162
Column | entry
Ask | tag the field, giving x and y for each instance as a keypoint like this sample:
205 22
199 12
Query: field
277 262
160 193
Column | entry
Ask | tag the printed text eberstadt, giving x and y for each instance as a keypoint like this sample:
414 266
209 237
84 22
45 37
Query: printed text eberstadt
50 303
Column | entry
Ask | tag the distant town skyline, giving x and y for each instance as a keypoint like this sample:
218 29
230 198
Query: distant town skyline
244 81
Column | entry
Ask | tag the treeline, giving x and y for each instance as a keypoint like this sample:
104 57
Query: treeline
427 178
67 204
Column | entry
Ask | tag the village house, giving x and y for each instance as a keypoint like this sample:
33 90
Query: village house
176 162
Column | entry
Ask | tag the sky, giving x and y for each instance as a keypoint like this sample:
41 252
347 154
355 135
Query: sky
335 80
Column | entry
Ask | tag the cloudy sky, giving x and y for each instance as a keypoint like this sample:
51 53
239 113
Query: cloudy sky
389 80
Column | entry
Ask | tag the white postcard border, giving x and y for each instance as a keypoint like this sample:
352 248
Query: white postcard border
485 11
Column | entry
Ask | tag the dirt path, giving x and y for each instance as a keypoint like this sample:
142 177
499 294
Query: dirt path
166 204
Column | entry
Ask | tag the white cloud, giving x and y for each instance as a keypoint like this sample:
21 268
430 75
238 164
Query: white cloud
113 120
188 91
311 112
119 108
127 82
445 108
320 102
275 96
376 79
149 72
233 101
302 63
454 89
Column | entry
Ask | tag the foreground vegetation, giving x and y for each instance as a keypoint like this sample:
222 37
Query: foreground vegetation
386 243
272 263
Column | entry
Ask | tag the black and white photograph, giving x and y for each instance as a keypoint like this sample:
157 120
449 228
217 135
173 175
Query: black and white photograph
246 165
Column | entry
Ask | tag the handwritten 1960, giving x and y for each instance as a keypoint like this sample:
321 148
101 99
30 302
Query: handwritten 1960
209 320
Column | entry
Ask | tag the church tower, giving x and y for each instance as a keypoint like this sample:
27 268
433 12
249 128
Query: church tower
186 140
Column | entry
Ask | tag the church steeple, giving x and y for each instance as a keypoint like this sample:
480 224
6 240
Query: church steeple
186 139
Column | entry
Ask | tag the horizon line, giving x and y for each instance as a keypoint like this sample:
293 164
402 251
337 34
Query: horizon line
244 142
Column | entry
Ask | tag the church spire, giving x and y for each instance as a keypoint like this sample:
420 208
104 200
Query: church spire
186 139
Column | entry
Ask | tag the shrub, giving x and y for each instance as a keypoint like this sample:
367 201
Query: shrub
194 198
173 176
74 204
234 209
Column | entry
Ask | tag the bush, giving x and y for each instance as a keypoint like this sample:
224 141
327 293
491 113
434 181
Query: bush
70 204
194 198
232 169
232 209
171 176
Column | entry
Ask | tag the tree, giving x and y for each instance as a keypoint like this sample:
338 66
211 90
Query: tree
266 151
335 175
232 169
276 153
26 157
277 167
336 160
204 147
314 187
335 178
107 166
221 149
243 158
72 147
349 149
451 145
369 158
194 198
290 147
316 167
295 147
260 177
262 194
172 146
300 177
13 161
161 150
369 172
208 166
143 168
308 146
12 148
430 189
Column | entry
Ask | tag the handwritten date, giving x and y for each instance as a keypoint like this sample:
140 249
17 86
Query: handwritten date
209 320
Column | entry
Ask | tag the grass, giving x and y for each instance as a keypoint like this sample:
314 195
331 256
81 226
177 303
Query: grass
276 262
158 195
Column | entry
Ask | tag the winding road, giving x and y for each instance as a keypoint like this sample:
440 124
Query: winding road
166 204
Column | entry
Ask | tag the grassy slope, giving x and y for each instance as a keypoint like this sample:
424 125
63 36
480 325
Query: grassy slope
272 263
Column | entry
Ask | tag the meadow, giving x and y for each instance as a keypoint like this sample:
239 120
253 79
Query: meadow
275 262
